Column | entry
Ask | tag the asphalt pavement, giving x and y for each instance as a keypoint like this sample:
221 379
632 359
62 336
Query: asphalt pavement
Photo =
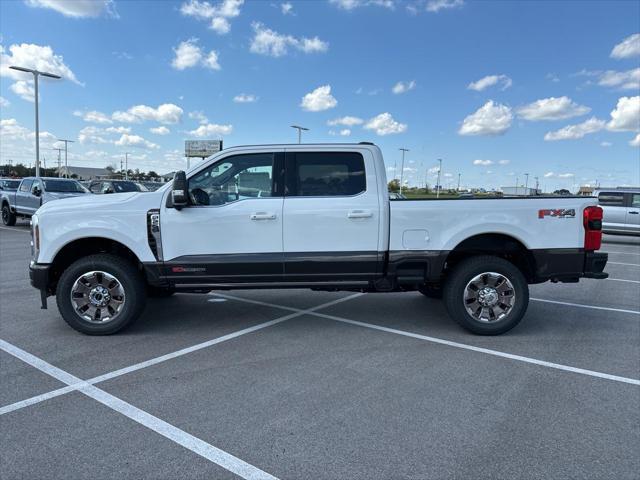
298 384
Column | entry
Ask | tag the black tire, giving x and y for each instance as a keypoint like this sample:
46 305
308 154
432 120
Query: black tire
431 291
468 269
124 271
160 292
8 217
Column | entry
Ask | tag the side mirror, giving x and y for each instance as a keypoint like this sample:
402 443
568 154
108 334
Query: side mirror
179 193
108 190
37 192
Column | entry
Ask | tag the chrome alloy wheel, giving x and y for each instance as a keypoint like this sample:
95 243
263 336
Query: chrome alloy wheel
489 297
98 297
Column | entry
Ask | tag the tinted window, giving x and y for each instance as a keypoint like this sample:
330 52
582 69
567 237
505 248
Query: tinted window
328 174
25 186
611 199
234 178
95 187
10 184
635 200
35 186
63 186
125 187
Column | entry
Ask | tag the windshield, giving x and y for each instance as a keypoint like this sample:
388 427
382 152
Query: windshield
63 186
120 187
9 184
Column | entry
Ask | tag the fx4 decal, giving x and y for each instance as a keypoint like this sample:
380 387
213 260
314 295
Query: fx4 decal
557 212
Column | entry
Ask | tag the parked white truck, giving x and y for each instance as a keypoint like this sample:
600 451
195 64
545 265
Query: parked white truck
306 216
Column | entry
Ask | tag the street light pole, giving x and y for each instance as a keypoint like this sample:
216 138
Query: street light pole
66 165
403 150
459 175
439 187
300 129
126 165
36 74
526 184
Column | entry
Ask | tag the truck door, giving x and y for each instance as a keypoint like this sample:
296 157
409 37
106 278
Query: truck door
633 213
331 216
615 211
23 196
232 229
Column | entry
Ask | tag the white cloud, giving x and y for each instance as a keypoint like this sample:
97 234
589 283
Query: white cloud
199 116
4 102
245 98
552 108
403 87
92 135
347 121
120 130
629 80
626 116
127 140
352 4
490 119
218 15
345 132
605 144
629 47
484 163
286 8
189 54
166 113
12 130
504 162
384 124
549 175
33 56
269 42
436 5
24 89
93 116
318 100
574 132
489 81
636 141
161 130
211 130
77 8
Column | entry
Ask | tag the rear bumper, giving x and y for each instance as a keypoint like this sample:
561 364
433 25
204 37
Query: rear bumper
594 264
39 276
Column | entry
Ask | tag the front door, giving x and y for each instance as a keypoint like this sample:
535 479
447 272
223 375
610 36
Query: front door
331 217
633 213
232 229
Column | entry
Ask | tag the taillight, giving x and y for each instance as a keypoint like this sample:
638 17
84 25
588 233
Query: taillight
592 219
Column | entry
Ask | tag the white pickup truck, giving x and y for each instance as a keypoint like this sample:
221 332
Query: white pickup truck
306 216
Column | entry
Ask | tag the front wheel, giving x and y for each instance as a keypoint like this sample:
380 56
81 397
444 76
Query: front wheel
100 294
8 217
486 295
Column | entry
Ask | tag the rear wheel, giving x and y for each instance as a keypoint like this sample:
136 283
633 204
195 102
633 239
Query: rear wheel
486 295
8 217
100 294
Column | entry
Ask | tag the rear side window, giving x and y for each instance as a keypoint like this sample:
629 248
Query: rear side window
26 186
635 200
612 199
326 174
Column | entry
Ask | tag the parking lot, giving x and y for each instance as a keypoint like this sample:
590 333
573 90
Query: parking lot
301 384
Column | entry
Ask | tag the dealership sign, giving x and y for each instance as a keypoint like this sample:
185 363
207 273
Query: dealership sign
201 148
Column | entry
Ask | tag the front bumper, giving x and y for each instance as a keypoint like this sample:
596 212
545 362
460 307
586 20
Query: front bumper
594 263
39 276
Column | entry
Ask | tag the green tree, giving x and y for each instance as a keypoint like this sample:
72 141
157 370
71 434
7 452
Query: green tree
394 185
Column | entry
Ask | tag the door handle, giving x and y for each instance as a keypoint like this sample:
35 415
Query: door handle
263 216
360 214
634 213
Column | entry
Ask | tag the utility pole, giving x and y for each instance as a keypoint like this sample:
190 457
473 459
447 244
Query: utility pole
300 129
66 165
459 175
517 179
126 165
537 183
36 74
526 184
439 187
59 160
403 150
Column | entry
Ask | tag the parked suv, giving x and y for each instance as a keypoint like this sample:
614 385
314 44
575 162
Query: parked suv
621 210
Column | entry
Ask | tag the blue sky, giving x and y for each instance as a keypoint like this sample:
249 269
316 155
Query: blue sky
495 89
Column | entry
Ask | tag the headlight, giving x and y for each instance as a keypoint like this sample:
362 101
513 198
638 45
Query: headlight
35 238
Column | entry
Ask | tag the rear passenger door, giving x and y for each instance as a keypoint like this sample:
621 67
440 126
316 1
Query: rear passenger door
331 216
615 211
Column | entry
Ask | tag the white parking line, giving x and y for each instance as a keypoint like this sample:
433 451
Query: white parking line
623 253
623 280
9 229
464 346
627 264
188 441
163 358
593 307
